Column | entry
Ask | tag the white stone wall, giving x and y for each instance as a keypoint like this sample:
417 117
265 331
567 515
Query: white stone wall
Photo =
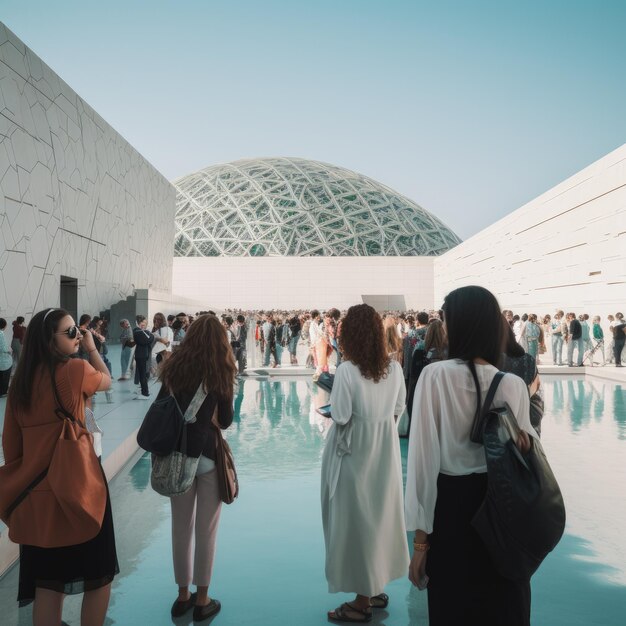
301 282
565 249
75 198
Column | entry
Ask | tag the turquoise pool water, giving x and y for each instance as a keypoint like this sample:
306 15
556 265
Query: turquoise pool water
270 559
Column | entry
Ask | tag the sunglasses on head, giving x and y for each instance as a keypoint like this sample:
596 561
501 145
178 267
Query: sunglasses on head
72 332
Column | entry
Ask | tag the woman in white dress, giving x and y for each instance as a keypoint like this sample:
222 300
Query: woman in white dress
446 472
362 508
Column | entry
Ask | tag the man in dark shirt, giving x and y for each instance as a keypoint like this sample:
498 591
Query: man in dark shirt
144 340
619 338
575 340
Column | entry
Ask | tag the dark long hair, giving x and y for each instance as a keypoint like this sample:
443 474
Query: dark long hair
475 328
362 339
204 356
511 347
38 352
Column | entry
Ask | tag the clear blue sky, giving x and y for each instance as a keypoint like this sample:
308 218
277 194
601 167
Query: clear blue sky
470 108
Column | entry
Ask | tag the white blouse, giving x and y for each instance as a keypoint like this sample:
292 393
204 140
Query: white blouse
443 413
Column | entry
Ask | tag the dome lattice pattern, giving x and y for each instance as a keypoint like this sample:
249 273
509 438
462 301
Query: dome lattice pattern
296 207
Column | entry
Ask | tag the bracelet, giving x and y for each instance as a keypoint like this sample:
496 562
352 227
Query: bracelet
420 547
94 350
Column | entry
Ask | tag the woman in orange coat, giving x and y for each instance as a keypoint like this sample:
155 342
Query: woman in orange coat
46 378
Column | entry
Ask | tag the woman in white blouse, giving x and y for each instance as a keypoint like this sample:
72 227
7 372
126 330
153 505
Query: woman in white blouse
446 472
362 509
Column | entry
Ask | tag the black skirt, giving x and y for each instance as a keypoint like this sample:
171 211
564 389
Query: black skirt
464 588
71 569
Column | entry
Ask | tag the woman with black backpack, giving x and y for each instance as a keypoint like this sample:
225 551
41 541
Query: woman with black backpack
205 359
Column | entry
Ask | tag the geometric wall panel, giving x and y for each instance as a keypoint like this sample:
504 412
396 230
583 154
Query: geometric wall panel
298 207
75 198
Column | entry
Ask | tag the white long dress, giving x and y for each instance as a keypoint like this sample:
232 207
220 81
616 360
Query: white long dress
362 504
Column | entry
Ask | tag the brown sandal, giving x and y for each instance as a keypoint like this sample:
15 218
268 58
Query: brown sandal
380 601
340 614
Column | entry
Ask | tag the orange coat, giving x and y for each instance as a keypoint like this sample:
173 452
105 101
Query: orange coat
29 438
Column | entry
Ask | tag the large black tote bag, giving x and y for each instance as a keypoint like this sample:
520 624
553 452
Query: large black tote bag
522 518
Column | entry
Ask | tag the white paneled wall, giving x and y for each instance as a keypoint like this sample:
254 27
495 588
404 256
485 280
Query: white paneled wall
75 198
565 249
302 282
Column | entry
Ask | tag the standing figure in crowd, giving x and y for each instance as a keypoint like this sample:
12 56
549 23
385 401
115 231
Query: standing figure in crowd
144 340
436 342
294 336
598 336
533 333
164 337
557 338
48 378
281 331
619 338
204 359
333 316
524 365
19 330
269 340
127 342
361 470
6 360
97 330
586 336
574 340
611 346
409 341
447 473
258 336
240 336
392 339
84 325
323 349
523 340
316 338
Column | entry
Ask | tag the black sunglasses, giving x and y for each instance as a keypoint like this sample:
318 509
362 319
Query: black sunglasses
71 332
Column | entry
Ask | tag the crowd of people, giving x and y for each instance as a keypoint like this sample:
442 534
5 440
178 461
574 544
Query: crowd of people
437 363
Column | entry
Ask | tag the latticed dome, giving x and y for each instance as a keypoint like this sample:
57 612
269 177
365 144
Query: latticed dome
296 207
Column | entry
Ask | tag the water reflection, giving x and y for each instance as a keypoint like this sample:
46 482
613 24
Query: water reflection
270 421
619 410
584 433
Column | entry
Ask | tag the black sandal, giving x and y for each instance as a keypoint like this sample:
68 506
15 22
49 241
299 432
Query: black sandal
341 616
380 601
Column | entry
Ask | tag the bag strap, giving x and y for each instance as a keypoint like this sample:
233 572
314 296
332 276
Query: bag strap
61 412
478 426
194 405
25 493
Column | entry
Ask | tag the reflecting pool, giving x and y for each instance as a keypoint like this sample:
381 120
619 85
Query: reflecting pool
270 558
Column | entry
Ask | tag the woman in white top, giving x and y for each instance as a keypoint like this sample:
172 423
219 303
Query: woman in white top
362 509
446 472
164 338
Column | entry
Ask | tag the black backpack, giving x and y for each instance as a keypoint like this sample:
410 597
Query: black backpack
161 427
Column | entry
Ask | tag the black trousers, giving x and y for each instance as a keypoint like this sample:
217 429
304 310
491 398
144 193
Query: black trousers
5 377
618 346
464 588
142 373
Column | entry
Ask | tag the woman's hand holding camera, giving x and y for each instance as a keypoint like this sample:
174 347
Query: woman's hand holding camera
87 342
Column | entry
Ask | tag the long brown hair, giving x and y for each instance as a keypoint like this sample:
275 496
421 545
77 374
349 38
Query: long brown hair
392 340
39 353
435 337
204 356
362 340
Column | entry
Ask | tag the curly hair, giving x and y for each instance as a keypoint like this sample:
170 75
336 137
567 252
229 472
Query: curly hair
204 356
362 341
